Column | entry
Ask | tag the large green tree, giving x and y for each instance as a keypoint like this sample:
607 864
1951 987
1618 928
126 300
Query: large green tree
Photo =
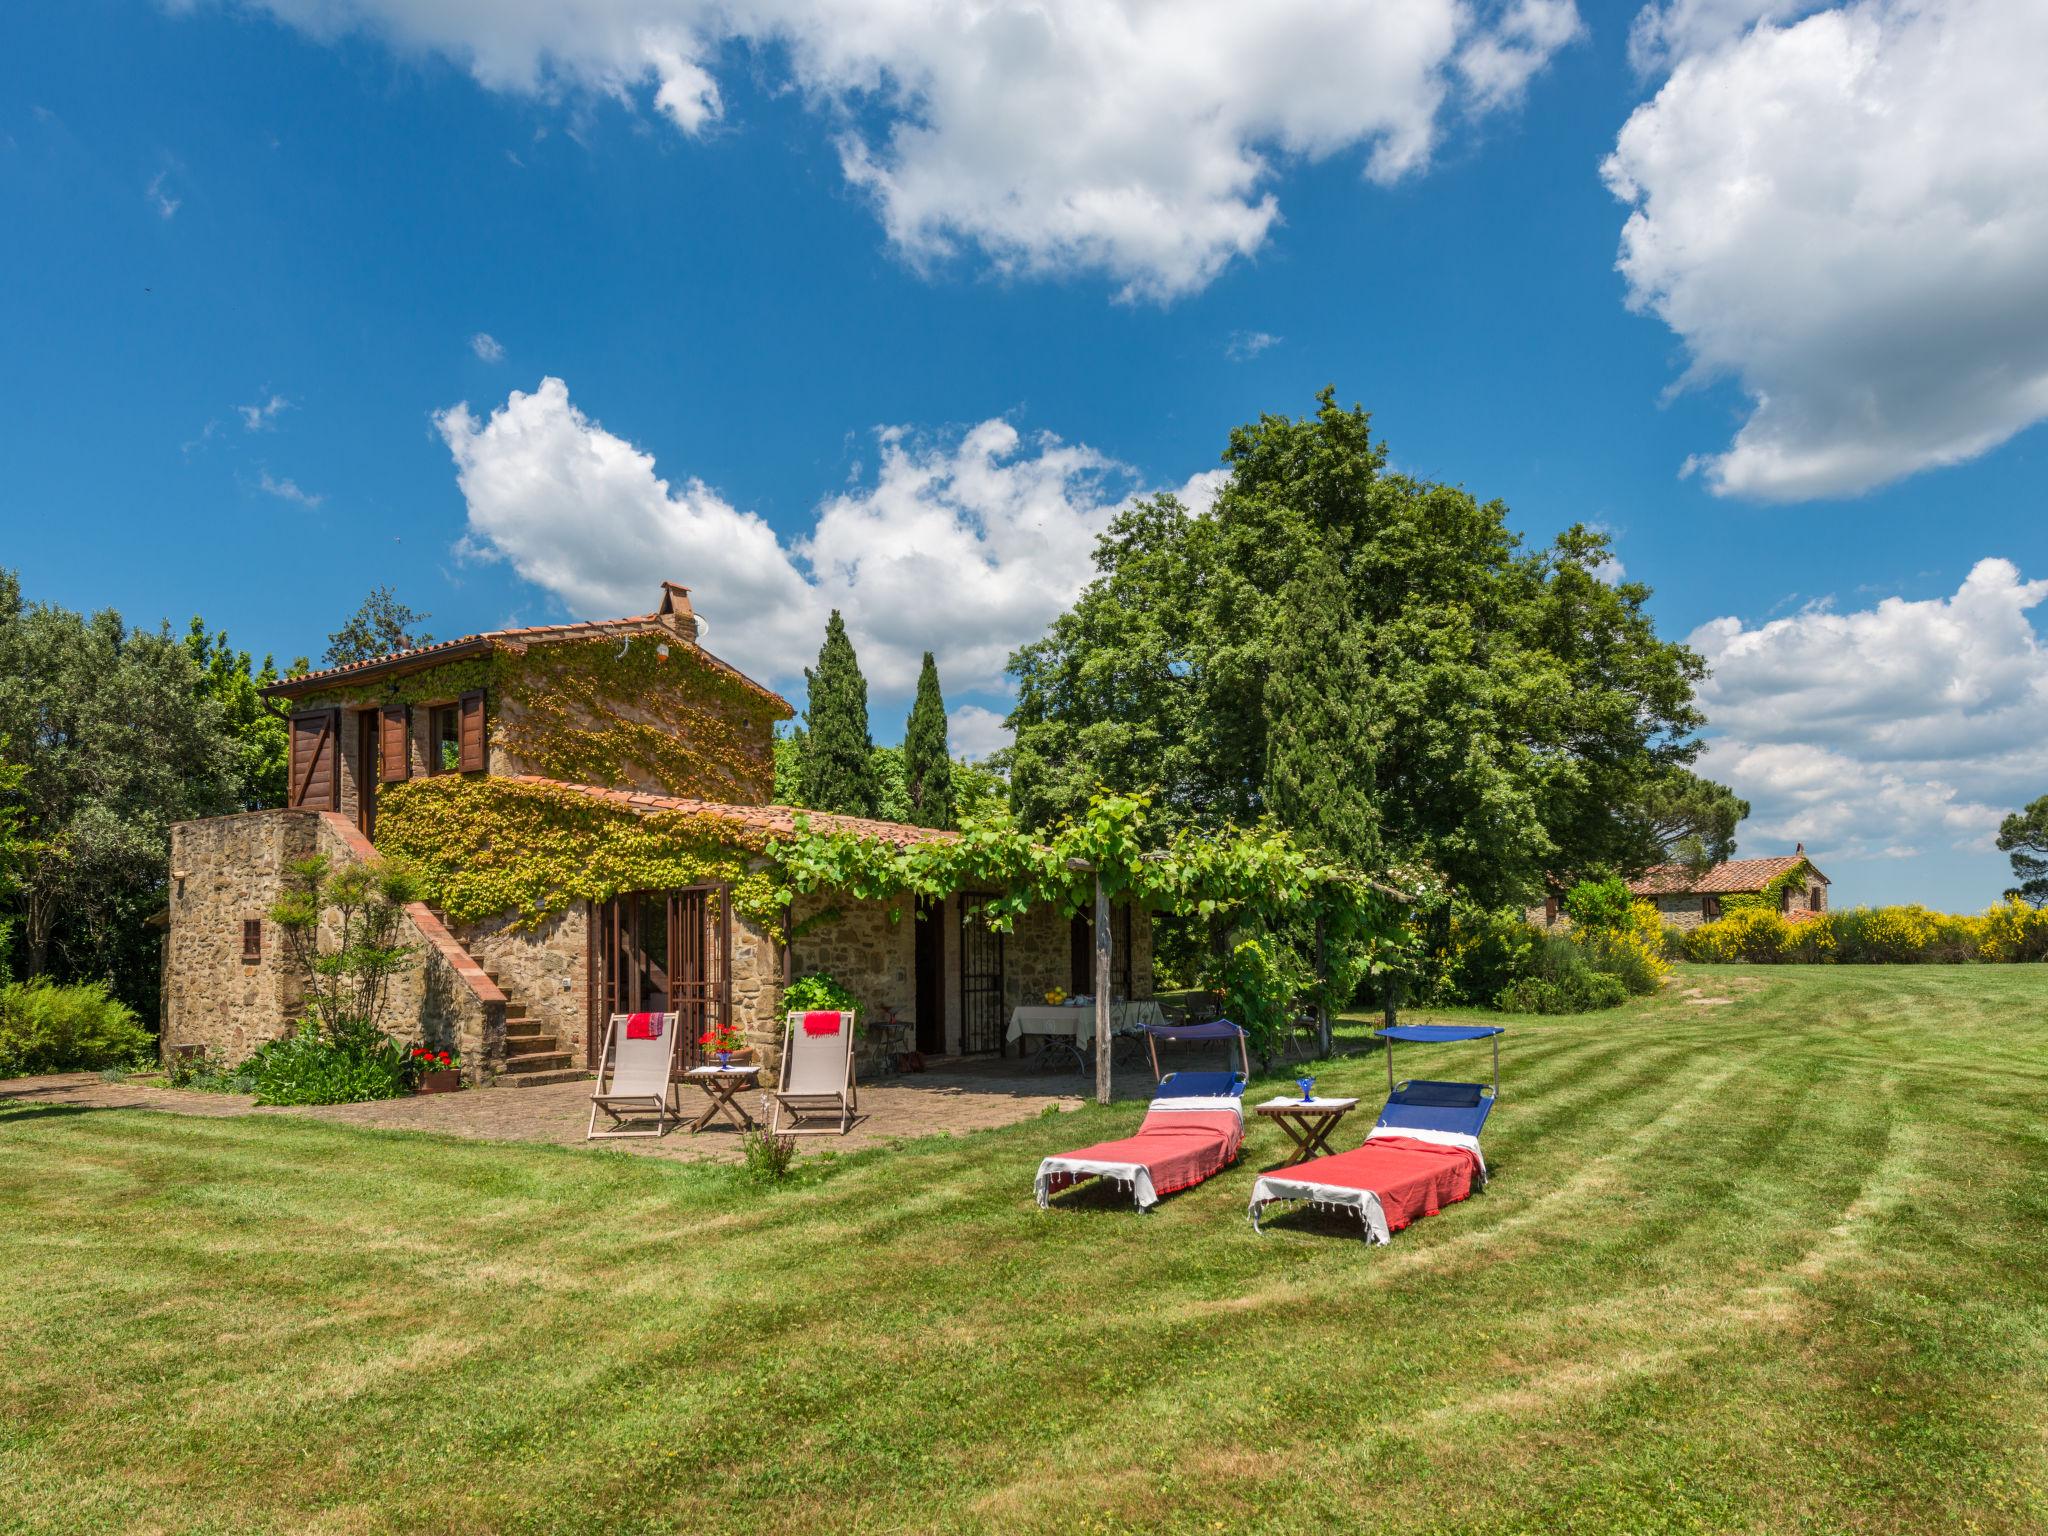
119 738
2024 835
380 626
838 753
927 768
1677 817
262 736
1499 704
1321 742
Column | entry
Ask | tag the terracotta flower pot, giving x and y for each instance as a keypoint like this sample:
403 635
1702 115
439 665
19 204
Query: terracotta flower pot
445 1080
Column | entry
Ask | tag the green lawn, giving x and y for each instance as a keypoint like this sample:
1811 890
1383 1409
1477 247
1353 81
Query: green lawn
1776 1266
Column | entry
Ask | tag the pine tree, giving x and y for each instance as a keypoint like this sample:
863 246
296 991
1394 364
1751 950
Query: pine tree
926 764
1319 718
839 769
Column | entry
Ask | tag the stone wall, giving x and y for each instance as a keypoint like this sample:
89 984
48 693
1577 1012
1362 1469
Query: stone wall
228 870
224 872
546 967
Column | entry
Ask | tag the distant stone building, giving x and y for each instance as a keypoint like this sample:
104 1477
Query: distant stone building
1685 899
620 745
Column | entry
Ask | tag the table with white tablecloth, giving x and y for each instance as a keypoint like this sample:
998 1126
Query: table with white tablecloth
1076 1022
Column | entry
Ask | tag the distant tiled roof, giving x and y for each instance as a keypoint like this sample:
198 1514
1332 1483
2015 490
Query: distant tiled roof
419 657
774 820
1736 877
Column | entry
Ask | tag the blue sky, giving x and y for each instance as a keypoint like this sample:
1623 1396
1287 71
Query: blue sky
251 250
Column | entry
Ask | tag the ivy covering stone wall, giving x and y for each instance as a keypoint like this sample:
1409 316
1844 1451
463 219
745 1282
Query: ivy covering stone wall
486 846
600 711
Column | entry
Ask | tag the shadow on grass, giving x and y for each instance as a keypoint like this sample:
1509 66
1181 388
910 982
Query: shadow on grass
13 1112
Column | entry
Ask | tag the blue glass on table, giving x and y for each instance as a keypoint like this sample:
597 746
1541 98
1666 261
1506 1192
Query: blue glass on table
1307 1085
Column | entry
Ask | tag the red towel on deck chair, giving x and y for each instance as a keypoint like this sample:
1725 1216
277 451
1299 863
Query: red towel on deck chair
643 1026
821 1023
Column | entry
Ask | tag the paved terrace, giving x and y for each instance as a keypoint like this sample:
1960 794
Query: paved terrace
952 1098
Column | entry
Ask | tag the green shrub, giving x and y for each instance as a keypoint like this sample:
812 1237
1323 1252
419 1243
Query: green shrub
1486 951
767 1157
1259 983
308 1068
818 993
1603 904
207 1073
47 1028
1580 992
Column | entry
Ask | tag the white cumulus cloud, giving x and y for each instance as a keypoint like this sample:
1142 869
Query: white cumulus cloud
1911 725
966 544
1138 138
973 732
1848 216
487 347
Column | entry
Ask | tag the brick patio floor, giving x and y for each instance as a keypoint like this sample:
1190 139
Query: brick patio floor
954 1097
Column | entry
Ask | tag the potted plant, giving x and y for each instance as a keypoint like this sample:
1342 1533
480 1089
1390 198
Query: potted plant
435 1071
723 1040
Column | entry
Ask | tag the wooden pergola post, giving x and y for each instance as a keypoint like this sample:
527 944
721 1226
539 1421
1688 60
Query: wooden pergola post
1102 974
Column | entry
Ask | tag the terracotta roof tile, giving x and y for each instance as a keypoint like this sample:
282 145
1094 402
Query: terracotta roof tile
775 820
512 639
1736 877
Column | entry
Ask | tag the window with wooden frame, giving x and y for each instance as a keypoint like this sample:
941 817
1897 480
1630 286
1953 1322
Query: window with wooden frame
455 736
444 739
1710 907
252 940
1550 909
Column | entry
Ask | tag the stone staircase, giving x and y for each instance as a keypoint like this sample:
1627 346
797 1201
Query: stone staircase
532 1057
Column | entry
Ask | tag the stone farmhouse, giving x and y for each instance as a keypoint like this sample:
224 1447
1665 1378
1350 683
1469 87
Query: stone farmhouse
1685 899
617 757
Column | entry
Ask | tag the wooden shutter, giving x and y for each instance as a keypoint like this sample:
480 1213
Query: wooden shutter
394 744
472 733
315 784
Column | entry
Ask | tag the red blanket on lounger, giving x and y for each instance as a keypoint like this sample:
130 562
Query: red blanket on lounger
1178 1148
1412 1178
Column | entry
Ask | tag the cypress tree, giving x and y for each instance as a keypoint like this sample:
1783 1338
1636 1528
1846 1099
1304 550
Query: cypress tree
839 771
1319 717
926 764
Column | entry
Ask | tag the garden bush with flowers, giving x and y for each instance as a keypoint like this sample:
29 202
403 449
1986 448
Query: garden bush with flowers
2011 933
423 1059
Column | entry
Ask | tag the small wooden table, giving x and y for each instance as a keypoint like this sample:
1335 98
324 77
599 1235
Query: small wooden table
1307 1122
721 1085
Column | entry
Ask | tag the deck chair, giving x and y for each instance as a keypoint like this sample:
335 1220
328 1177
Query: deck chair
817 1075
635 1077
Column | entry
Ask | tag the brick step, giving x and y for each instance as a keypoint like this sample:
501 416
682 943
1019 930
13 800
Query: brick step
514 1010
537 1061
541 1079
520 1025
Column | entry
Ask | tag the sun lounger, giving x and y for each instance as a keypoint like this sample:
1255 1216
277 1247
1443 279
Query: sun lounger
1421 1156
635 1075
1194 1129
817 1075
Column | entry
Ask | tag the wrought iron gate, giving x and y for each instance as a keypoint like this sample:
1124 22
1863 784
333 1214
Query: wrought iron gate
981 979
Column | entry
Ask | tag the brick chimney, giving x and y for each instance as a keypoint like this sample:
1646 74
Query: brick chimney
675 610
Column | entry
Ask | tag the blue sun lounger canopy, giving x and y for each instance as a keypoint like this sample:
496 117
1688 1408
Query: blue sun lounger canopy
1424 1105
1215 1029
